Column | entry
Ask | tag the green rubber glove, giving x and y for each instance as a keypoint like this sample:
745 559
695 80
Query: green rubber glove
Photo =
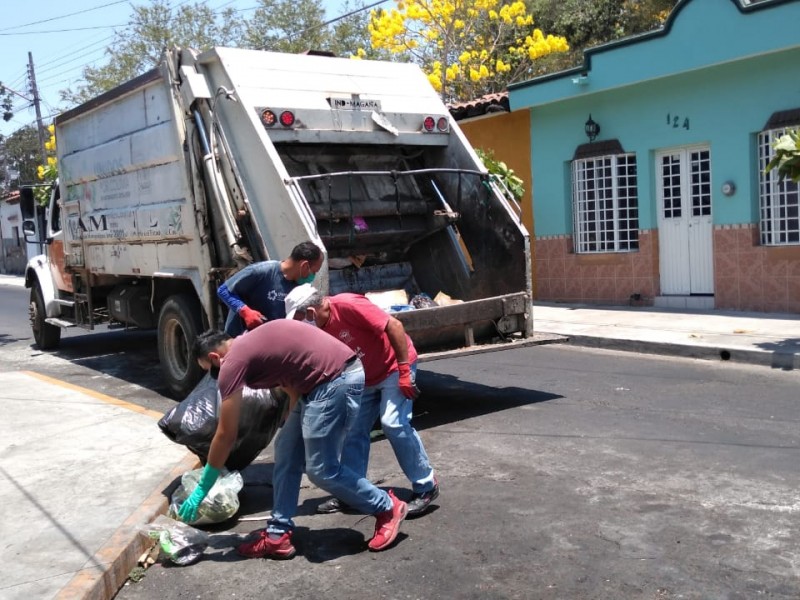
188 510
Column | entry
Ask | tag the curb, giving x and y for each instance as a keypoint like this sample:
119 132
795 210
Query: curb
123 549
776 360
12 280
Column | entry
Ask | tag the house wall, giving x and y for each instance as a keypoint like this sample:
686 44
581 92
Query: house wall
508 135
12 244
726 105
727 90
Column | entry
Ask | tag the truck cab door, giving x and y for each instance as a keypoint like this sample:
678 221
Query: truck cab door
55 243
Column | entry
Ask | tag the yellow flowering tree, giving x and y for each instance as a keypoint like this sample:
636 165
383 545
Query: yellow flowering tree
468 48
48 172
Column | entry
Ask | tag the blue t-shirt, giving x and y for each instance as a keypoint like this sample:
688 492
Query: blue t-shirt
262 287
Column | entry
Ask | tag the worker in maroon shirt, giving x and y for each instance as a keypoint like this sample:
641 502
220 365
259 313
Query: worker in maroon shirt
324 380
389 360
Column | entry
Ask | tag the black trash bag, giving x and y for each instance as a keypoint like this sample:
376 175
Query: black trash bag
192 423
423 301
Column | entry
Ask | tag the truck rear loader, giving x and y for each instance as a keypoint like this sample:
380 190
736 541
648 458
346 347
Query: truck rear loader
172 181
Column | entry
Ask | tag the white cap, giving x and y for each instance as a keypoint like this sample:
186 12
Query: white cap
297 297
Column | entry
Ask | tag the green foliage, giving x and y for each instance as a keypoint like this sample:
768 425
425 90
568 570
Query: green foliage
287 26
153 28
23 154
787 157
466 48
587 24
47 172
351 33
276 25
500 170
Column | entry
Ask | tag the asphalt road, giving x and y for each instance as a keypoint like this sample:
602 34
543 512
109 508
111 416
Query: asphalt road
565 473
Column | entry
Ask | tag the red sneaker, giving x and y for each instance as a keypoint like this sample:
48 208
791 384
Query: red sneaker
387 524
263 547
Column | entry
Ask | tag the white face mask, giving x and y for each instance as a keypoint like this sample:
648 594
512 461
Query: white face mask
310 320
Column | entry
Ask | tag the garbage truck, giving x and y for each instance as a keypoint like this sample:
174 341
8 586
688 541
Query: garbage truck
172 181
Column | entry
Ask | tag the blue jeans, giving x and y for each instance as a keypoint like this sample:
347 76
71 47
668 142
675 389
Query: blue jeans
395 410
313 437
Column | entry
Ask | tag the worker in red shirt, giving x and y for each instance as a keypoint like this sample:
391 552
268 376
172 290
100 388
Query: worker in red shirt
389 360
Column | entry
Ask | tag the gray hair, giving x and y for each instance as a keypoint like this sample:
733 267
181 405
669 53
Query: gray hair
313 301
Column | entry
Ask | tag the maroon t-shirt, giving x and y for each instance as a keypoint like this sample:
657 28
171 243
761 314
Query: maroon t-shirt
284 353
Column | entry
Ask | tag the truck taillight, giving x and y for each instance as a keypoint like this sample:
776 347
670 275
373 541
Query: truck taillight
268 118
431 124
287 118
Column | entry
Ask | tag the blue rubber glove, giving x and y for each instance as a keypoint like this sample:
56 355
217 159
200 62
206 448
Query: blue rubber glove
188 510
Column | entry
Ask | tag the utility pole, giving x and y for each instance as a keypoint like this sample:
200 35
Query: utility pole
35 93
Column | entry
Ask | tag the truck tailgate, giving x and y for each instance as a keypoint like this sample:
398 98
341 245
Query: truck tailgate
473 327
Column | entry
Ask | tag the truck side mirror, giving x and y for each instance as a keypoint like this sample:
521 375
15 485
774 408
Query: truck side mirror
29 230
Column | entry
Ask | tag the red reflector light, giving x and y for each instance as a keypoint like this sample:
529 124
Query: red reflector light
442 124
287 118
429 123
268 118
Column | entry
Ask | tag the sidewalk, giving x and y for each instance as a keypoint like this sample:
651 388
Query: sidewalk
79 472
749 337
12 280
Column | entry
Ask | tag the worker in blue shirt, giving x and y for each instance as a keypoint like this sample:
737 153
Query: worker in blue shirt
256 293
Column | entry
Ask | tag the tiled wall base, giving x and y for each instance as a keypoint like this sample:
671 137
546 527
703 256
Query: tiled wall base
624 278
747 276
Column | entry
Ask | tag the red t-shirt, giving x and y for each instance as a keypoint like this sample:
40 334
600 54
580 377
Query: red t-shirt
285 353
361 325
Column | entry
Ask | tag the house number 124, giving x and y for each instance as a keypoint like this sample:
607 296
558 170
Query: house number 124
675 121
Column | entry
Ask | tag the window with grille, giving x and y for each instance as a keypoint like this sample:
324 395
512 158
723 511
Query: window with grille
605 204
779 201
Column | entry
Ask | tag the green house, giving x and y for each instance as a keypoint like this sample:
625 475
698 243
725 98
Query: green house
648 164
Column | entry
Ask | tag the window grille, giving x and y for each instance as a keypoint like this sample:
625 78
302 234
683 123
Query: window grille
779 201
605 204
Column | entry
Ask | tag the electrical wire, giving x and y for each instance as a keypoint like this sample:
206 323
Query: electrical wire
59 62
43 67
63 30
65 16
330 21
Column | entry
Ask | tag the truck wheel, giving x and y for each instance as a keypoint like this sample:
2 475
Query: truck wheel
178 325
45 335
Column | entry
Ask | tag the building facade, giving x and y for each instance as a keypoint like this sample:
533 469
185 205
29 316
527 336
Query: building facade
13 255
648 164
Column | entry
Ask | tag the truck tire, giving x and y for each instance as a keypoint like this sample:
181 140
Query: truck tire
46 336
179 324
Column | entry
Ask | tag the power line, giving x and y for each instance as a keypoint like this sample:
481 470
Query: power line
57 64
331 21
54 58
65 16
64 30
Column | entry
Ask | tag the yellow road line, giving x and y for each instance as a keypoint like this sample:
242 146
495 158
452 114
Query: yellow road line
97 395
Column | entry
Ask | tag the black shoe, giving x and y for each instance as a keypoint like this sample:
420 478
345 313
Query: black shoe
420 503
333 505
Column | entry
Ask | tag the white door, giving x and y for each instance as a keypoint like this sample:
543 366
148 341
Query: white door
684 221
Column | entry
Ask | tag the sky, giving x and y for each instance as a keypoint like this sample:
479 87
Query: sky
63 38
